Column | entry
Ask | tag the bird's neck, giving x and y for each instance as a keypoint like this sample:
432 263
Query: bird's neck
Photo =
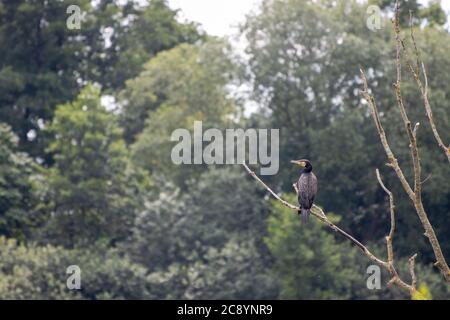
306 170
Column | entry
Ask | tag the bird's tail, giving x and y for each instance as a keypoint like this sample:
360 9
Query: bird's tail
305 215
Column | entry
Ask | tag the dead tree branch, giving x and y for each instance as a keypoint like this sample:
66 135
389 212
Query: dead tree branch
423 87
414 194
319 214
390 237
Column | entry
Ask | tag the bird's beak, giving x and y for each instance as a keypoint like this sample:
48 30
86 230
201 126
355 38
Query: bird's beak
299 163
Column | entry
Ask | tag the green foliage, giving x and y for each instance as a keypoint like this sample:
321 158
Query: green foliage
177 226
430 284
309 262
31 79
433 13
91 186
43 63
96 186
39 272
176 88
17 174
199 241
153 28
32 272
233 271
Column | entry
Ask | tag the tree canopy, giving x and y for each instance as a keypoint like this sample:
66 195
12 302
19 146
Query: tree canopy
91 183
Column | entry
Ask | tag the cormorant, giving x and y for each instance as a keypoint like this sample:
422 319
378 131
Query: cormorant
307 188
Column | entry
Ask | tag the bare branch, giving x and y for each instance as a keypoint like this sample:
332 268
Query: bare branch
319 214
390 237
414 42
411 271
427 178
398 93
416 194
382 134
287 204
417 200
420 66
389 244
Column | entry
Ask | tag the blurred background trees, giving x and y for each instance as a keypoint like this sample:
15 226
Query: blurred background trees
91 183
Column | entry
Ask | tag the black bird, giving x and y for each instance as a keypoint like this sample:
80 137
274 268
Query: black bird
307 188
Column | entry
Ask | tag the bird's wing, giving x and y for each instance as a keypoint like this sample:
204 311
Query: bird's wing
305 192
313 185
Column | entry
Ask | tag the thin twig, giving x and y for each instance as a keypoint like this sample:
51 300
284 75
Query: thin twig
411 271
398 93
423 87
427 178
389 243
295 188
390 237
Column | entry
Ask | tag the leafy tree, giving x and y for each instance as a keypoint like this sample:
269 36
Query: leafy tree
180 226
178 87
433 14
37 69
92 189
97 188
308 261
47 64
17 196
186 83
233 271
31 272
185 238
39 272
150 29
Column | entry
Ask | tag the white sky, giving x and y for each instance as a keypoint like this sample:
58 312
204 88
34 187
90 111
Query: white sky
217 17
220 17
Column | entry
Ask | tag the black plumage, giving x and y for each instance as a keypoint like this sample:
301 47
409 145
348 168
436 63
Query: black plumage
307 188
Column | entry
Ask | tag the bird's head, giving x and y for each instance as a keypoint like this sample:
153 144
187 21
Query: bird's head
304 164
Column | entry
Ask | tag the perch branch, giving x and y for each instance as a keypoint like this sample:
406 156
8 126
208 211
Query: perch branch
319 214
